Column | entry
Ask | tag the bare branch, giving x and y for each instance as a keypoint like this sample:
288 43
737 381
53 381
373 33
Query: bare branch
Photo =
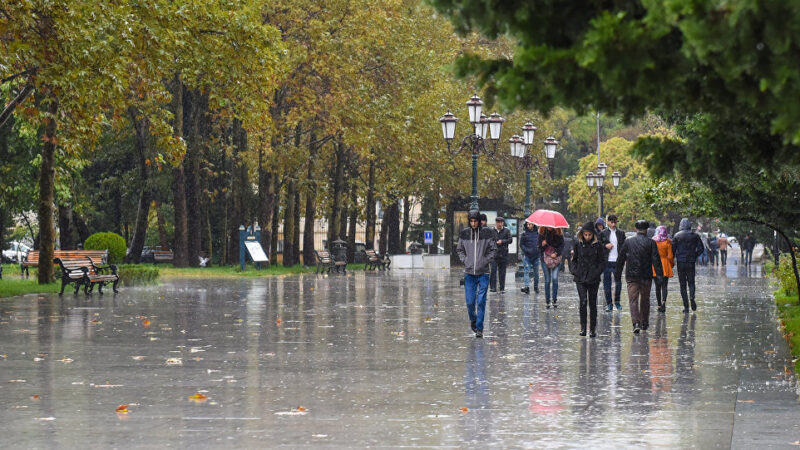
9 109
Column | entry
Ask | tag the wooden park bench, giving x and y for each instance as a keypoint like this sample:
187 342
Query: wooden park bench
82 271
162 256
32 258
375 261
324 260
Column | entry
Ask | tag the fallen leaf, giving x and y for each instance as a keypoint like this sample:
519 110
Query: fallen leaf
465 410
174 361
402 333
746 401
146 323
122 409
300 409
198 398
137 358
278 321
769 351
35 397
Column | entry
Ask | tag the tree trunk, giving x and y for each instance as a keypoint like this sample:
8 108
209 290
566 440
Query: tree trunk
336 195
65 234
276 204
369 238
406 222
448 227
392 219
195 102
117 216
236 190
296 231
140 127
46 192
162 228
310 212
266 200
289 225
179 238
351 232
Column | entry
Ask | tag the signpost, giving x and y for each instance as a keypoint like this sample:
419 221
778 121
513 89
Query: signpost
249 244
428 239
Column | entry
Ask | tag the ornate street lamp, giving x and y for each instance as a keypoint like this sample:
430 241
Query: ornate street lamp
597 180
476 141
520 149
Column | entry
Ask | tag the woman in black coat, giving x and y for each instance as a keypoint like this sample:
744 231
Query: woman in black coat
587 265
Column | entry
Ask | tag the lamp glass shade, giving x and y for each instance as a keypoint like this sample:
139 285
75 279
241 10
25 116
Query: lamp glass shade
550 146
495 126
599 179
516 146
482 126
448 126
528 131
475 105
601 169
590 179
615 178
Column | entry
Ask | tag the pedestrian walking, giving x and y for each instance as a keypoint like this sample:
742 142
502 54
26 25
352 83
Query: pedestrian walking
599 227
587 265
476 248
703 257
713 254
502 240
483 220
722 241
529 243
613 239
664 244
687 246
639 256
748 244
551 247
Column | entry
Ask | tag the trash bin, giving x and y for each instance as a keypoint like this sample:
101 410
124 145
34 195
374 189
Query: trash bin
339 253
415 248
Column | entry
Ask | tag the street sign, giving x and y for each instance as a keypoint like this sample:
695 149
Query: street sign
428 237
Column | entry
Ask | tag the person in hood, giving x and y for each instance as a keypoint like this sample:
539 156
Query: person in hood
529 244
687 246
664 244
589 258
500 263
551 247
476 249
599 227
484 219
613 238
639 256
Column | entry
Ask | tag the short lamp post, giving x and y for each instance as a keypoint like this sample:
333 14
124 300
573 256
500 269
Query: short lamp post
520 149
597 180
476 141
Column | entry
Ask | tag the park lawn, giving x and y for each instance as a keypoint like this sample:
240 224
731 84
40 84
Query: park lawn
789 314
167 271
11 286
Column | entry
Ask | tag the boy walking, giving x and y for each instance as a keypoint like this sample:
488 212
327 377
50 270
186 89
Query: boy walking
476 249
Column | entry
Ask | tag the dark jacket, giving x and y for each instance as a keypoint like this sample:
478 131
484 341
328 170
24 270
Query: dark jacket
502 249
605 237
554 240
569 244
687 244
640 257
749 244
529 243
588 260
476 249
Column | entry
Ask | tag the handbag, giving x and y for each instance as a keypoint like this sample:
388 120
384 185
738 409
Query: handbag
551 260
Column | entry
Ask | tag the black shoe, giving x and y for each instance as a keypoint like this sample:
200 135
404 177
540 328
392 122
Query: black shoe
536 289
636 328
592 334
662 308
502 291
472 325
554 304
492 290
694 305
548 305
686 310
479 334
583 332
645 326
526 290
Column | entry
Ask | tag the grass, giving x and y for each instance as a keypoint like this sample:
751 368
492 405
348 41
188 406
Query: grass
12 284
789 314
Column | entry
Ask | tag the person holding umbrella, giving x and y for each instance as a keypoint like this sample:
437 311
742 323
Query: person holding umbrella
551 248
588 263
476 249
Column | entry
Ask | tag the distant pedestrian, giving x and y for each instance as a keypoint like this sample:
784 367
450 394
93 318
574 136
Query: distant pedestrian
529 243
748 244
588 262
476 248
613 238
483 220
713 255
687 246
599 227
722 241
502 240
665 252
551 247
569 245
702 259
639 255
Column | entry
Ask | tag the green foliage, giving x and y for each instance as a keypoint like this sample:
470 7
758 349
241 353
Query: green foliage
137 274
785 276
10 287
114 243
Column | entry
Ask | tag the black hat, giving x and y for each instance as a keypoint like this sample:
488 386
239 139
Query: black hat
588 226
483 217
500 219
474 214
642 225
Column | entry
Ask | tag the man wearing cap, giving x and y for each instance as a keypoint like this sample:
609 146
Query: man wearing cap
502 240
613 238
476 249
639 255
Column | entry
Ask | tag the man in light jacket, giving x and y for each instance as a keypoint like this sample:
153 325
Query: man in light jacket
613 238
476 249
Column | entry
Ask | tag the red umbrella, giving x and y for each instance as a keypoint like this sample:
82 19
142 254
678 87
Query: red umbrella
547 218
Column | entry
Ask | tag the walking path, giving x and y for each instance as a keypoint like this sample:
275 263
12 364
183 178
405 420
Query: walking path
387 359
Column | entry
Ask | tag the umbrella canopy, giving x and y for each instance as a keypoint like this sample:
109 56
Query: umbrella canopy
547 218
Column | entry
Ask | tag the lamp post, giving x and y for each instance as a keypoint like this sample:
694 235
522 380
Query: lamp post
476 141
520 150
597 180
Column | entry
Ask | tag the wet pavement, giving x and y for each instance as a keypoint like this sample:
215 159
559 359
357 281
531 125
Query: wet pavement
388 360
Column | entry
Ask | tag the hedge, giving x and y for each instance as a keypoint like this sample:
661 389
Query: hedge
137 274
114 243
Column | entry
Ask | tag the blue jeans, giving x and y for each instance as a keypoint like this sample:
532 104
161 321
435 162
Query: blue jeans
527 266
611 269
550 277
475 293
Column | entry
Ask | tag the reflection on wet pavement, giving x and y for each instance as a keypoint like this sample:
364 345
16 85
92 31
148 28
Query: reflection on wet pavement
387 359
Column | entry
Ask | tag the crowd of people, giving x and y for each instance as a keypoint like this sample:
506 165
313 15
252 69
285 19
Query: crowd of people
598 253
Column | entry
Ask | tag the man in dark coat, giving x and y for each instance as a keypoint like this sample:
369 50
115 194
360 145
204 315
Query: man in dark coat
502 240
640 256
476 249
748 244
529 245
587 264
613 238
687 246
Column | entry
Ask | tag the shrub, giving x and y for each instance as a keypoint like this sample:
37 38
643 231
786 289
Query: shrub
137 274
785 275
114 243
